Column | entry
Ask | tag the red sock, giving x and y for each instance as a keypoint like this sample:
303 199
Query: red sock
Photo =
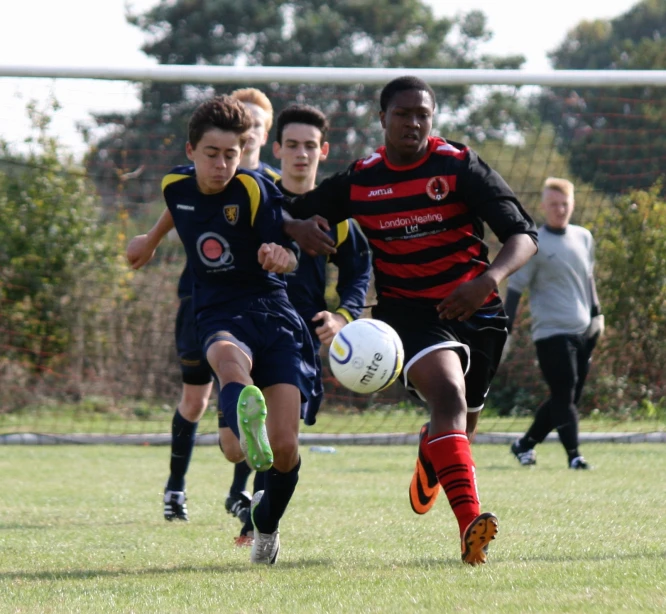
451 455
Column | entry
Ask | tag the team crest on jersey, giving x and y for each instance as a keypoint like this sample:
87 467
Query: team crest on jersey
231 214
438 188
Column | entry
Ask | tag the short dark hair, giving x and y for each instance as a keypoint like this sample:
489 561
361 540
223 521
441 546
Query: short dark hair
301 114
222 112
402 84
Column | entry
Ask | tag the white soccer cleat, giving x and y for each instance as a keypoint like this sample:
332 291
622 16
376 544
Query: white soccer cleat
266 546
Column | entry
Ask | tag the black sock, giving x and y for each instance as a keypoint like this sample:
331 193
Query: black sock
278 490
183 435
242 472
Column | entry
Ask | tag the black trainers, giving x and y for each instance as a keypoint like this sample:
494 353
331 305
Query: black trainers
175 506
238 505
525 457
579 463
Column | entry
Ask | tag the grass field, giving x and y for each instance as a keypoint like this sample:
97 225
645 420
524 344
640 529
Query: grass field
81 530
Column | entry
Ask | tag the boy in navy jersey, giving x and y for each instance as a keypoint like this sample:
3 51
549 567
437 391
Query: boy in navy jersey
421 201
237 502
300 145
196 374
230 223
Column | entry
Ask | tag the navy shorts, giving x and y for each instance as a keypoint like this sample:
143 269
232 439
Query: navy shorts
194 367
271 333
311 408
478 341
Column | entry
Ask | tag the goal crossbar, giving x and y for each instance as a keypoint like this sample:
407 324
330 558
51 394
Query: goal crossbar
175 73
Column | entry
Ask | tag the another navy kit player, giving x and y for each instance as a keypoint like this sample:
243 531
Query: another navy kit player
230 223
566 320
421 201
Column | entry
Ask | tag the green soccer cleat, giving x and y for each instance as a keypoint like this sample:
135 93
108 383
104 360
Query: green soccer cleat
252 428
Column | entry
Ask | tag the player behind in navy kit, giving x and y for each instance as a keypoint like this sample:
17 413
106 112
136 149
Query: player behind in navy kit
421 201
300 145
261 109
230 223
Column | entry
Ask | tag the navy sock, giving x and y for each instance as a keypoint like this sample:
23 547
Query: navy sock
278 490
242 472
227 401
183 435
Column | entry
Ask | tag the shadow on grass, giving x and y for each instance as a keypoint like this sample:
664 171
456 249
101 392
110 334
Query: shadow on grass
236 567
95 574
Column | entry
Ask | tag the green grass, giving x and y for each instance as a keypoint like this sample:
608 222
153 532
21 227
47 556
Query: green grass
81 531
141 418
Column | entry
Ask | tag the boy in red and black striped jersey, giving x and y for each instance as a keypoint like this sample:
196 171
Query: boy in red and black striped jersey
422 201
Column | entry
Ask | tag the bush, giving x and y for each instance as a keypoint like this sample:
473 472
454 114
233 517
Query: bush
54 246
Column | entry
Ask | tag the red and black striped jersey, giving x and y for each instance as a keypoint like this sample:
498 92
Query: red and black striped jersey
424 222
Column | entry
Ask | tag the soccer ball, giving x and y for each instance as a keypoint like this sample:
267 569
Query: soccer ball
366 356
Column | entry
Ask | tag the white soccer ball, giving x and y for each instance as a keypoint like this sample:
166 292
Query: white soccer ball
366 356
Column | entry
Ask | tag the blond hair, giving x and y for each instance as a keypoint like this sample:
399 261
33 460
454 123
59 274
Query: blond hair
255 96
564 186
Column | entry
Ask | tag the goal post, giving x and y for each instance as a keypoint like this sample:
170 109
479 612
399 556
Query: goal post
88 353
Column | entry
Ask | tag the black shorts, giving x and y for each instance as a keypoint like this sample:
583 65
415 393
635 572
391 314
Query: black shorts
194 367
478 341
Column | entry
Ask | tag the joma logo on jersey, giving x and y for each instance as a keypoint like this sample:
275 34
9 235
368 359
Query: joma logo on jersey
380 192
185 207
231 214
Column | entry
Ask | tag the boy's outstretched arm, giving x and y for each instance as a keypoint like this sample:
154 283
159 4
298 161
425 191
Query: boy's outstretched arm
309 234
141 248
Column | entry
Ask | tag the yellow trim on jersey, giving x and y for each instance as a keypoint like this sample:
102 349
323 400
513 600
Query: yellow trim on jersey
172 178
272 174
254 194
343 233
345 314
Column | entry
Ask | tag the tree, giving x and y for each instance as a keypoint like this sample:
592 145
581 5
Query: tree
348 33
614 137
54 245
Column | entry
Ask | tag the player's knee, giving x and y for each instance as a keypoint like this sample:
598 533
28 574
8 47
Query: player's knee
451 391
192 409
285 452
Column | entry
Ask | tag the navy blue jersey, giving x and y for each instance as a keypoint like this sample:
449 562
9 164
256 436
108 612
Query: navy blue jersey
268 171
306 286
186 280
222 233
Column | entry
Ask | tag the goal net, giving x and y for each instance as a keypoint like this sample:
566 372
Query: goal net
88 345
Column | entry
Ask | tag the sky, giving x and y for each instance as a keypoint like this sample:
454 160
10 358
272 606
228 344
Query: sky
34 32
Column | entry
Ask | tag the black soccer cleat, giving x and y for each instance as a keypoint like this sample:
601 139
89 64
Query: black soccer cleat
524 457
579 464
238 505
175 506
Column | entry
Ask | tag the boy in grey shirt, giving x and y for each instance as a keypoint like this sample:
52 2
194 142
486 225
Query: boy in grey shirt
566 320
